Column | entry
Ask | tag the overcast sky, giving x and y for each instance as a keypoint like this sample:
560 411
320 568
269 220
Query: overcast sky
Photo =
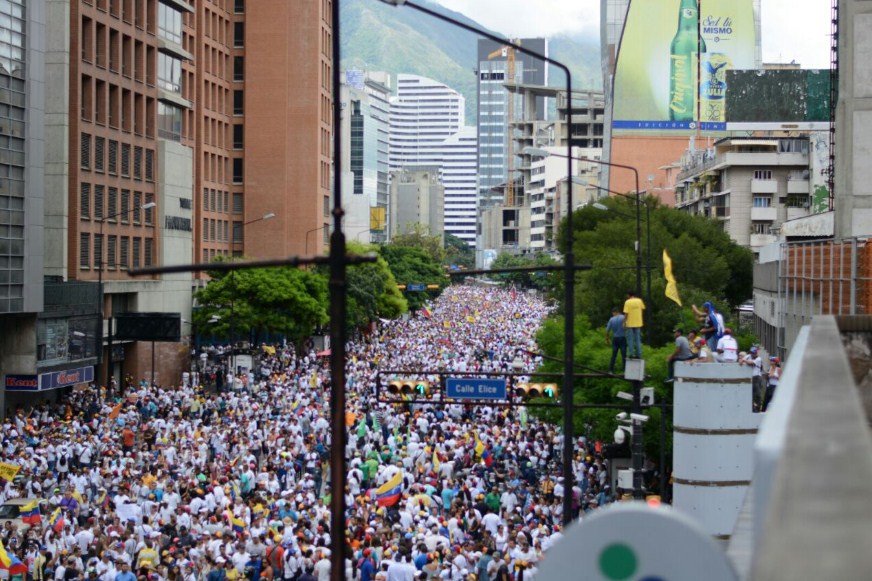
792 30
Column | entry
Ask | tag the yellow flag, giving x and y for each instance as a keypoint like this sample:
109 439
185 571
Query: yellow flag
436 462
671 287
479 446
8 471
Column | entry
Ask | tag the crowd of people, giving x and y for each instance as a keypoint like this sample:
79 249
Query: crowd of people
179 482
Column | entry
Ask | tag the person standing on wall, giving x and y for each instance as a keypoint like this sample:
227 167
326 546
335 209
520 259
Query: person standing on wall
616 335
633 320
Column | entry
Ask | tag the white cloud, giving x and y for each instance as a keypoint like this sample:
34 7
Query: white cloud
791 29
531 18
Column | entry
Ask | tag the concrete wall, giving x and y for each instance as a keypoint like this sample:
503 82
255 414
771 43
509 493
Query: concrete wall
853 193
713 438
34 153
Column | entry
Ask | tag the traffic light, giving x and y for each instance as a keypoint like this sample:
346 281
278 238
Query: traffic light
409 387
531 390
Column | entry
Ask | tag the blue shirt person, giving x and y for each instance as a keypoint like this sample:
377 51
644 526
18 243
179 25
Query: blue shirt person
616 335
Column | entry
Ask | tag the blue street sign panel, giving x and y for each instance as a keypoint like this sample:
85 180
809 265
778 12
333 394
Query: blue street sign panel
475 388
416 287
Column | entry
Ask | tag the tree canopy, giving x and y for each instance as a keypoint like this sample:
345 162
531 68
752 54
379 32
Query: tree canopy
706 263
372 290
282 300
413 265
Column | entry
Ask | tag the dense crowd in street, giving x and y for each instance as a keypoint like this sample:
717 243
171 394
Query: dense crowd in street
182 483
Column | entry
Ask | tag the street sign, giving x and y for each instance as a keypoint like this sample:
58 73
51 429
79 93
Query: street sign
416 287
475 388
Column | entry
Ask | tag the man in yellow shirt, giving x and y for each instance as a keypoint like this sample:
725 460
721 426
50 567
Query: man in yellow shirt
633 309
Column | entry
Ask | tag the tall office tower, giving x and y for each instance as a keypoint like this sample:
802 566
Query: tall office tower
427 129
496 64
283 66
22 118
369 106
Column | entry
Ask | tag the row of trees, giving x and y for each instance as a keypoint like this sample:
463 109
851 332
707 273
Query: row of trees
292 302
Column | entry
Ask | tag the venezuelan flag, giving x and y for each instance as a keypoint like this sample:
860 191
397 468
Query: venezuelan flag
30 513
234 490
389 493
236 523
56 520
426 312
5 559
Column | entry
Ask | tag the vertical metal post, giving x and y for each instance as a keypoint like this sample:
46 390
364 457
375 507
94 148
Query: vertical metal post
99 366
338 304
662 450
569 325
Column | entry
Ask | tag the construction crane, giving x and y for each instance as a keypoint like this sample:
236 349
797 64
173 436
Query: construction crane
508 52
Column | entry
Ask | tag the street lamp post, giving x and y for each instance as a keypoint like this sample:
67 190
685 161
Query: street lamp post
569 257
637 378
146 206
309 232
267 216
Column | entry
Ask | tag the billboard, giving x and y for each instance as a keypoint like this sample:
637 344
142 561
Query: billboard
673 60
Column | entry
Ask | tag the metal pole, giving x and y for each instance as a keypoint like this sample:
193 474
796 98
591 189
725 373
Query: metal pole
662 450
338 304
100 301
569 258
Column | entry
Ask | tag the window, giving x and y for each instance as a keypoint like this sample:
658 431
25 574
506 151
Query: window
113 157
99 189
111 252
98 251
237 232
237 136
238 34
214 205
205 228
762 201
211 229
137 203
762 174
169 122
149 213
125 159
123 259
226 202
84 251
238 103
238 6
237 203
238 68
149 165
137 162
137 249
149 250
85 202
237 170
125 206
798 201
86 151
169 23
760 227
99 147
113 202
169 73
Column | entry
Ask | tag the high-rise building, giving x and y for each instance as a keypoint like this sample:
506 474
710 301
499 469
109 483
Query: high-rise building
417 198
427 129
168 133
497 66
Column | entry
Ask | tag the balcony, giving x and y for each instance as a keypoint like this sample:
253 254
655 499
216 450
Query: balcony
797 186
758 240
764 214
794 213
764 186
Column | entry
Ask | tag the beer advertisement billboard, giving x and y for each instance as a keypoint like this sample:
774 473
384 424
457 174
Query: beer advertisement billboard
673 59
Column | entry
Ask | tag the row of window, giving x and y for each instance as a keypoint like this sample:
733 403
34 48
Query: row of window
137 12
104 157
97 201
121 251
109 104
219 201
109 48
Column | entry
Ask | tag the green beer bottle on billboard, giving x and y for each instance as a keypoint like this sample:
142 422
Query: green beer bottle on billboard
683 54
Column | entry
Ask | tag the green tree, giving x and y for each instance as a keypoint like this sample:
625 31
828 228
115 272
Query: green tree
541 280
372 290
287 301
706 263
458 252
411 265
420 237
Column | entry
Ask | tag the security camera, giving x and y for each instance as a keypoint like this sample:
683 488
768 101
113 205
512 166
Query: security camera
625 395
619 436
639 417
621 416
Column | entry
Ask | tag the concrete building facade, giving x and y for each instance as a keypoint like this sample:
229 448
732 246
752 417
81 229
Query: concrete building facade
417 198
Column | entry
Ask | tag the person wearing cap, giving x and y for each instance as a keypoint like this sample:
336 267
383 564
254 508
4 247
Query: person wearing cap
681 353
754 360
727 350
772 382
